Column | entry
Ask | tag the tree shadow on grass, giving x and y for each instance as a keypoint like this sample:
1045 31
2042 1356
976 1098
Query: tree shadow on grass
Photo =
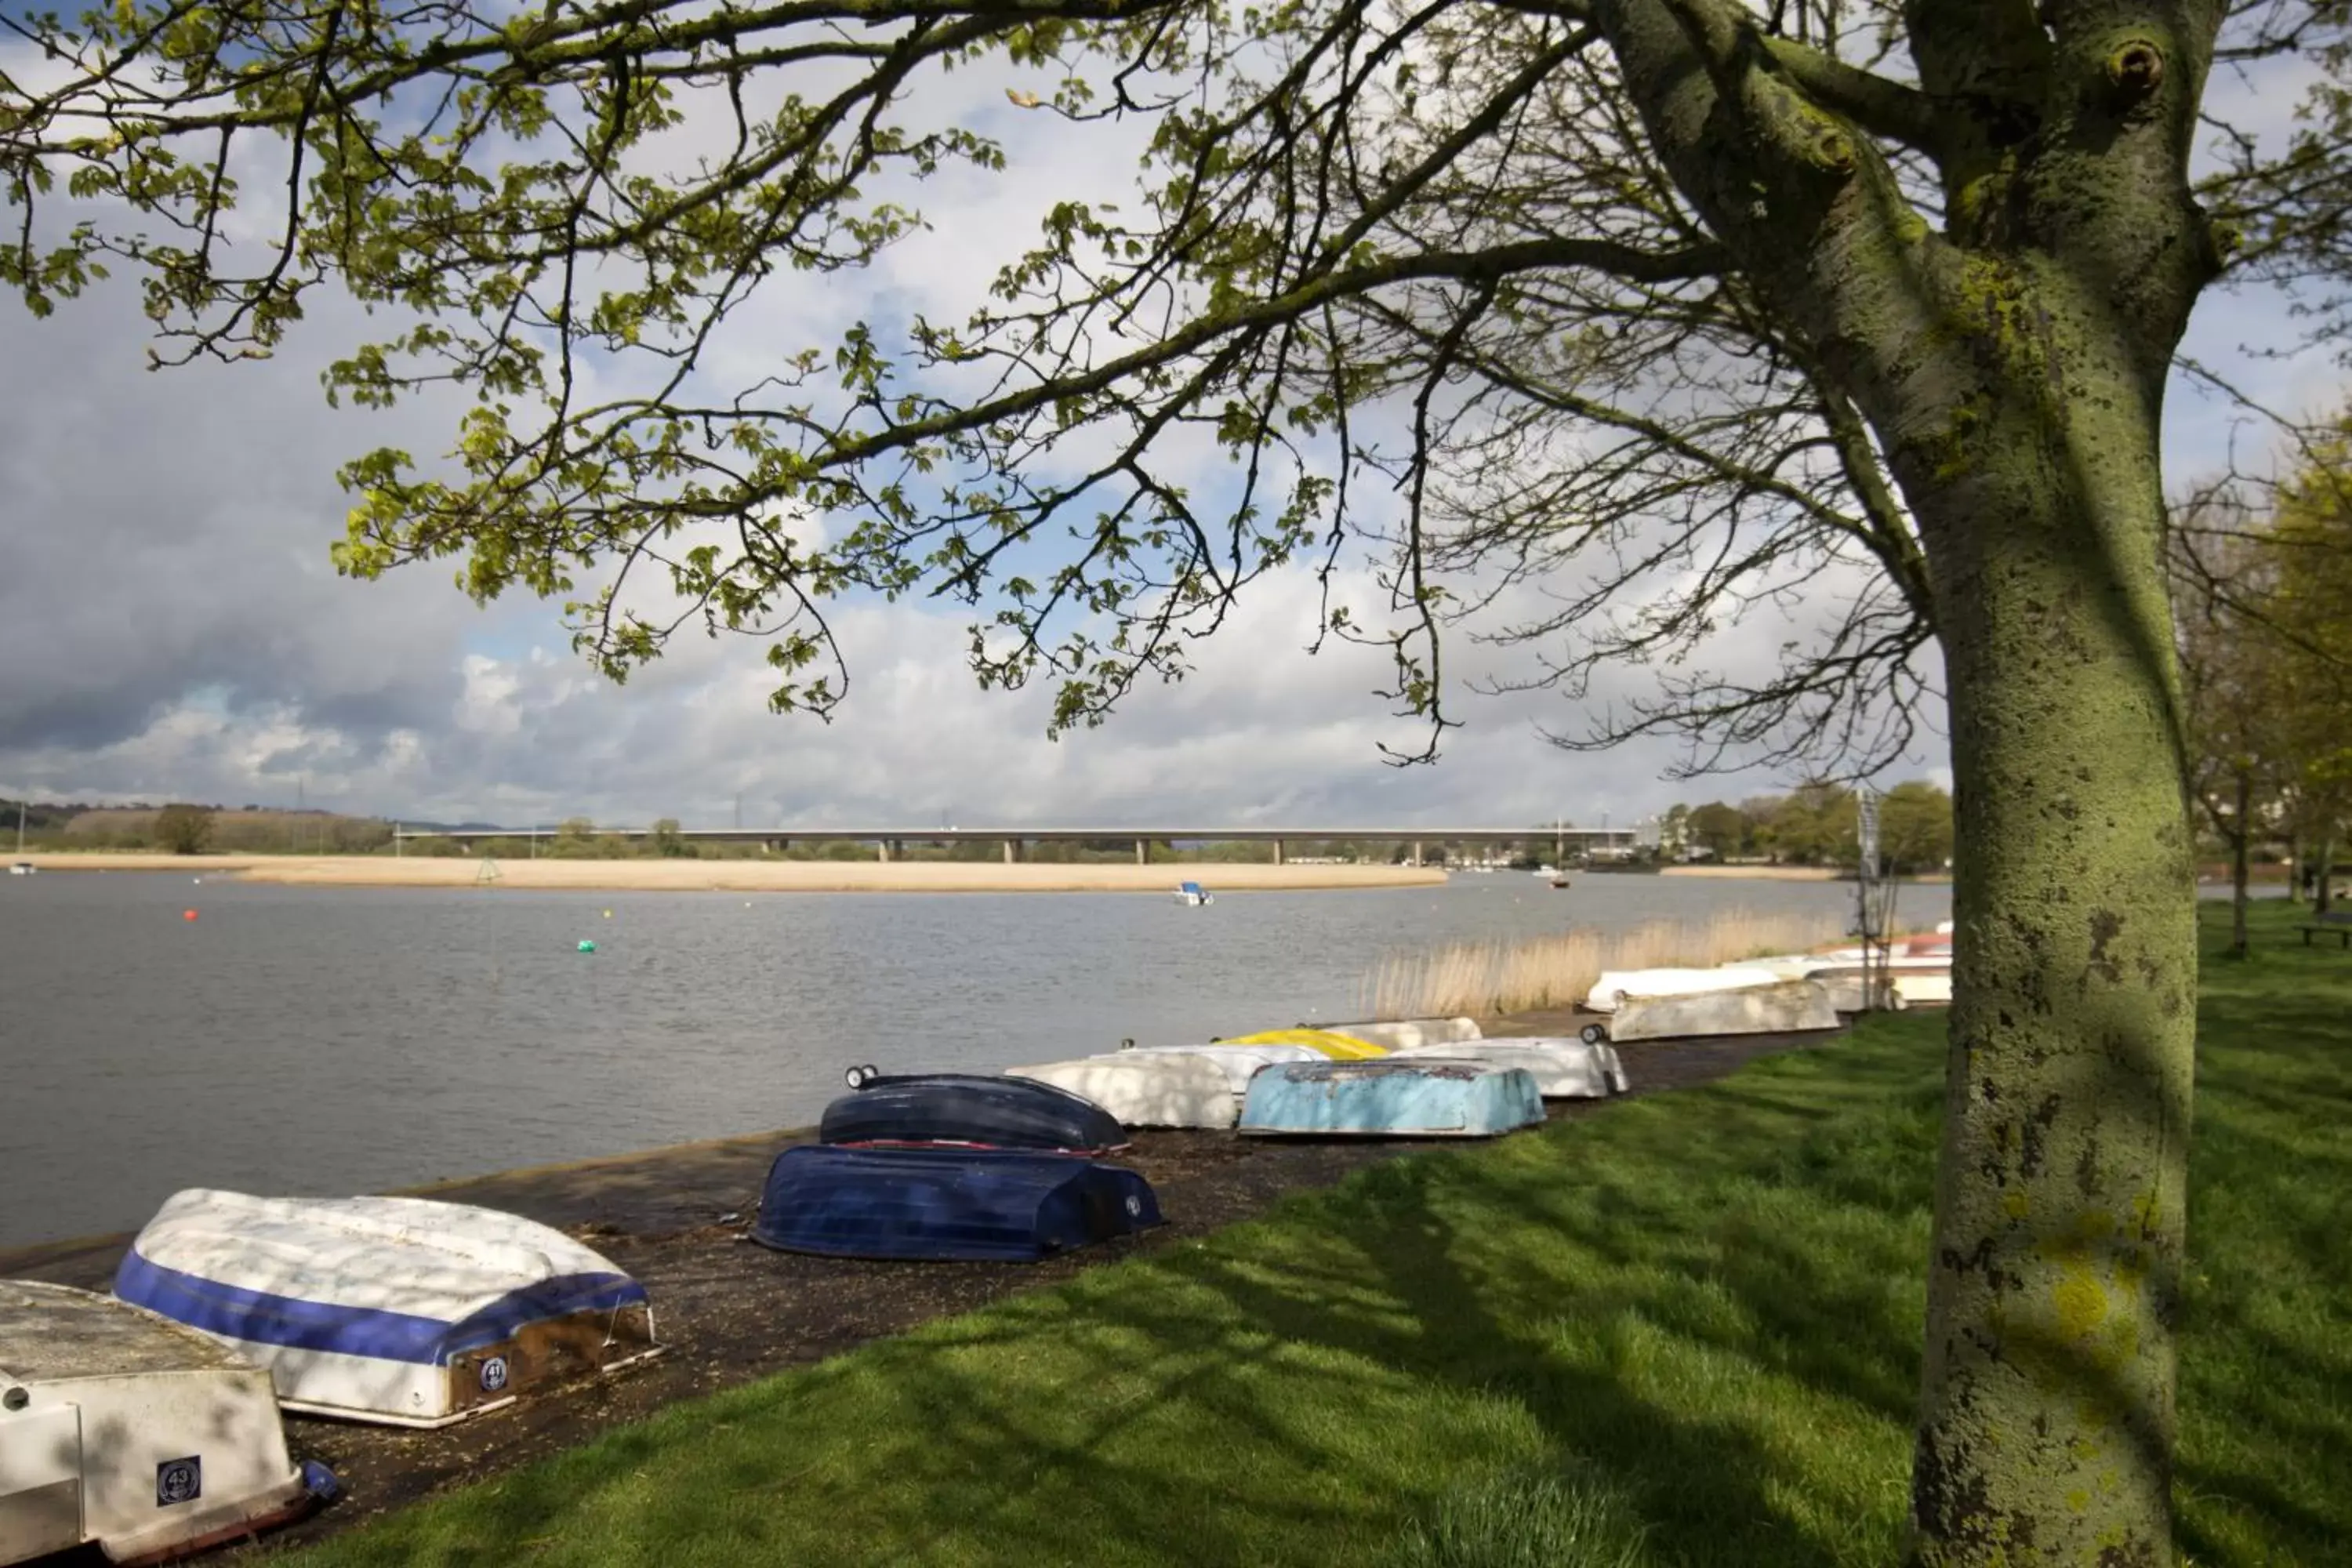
1714 1305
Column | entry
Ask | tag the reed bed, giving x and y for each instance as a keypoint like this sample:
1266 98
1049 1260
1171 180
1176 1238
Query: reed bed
1482 979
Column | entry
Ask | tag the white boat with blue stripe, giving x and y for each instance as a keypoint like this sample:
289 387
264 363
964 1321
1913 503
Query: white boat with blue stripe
400 1311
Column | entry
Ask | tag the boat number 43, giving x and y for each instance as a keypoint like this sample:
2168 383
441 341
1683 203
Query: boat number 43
178 1480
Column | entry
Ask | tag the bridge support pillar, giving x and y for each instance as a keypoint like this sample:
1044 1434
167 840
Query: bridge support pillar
1143 852
1012 851
882 851
1416 852
1277 851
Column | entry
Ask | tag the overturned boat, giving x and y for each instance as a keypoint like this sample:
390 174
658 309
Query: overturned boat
1404 1033
400 1311
1654 984
1328 1043
1158 1089
1563 1067
1390 1099
946 1205
129 1432
967 1110
1767 1005
1238 1063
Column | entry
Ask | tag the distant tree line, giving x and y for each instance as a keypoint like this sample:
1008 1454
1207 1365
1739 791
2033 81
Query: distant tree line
1816 824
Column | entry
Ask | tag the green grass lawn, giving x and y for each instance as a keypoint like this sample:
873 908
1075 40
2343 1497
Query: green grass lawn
1683 1330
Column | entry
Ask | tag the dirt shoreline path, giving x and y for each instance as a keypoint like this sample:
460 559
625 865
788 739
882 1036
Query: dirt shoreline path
730 1312
749 875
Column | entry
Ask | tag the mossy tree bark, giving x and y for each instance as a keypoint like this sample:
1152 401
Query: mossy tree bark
2012 368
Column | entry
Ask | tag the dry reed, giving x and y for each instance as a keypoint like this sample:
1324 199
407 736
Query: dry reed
1486 978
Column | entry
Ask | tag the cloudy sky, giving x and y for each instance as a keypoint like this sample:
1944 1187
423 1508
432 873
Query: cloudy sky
170 626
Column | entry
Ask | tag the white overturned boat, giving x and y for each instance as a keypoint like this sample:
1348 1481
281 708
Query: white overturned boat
1564 1068
1147 1089
123 1430
1400 1034
1614 985
1238 1063
1682 1003
393 1310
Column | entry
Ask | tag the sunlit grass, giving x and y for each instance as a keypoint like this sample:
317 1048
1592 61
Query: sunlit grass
1684 1330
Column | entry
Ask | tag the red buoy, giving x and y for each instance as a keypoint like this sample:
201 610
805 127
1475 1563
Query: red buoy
187 914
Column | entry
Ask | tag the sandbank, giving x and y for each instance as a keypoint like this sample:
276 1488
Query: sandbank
748 876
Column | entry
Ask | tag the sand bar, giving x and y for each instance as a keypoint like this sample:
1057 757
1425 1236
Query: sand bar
749 875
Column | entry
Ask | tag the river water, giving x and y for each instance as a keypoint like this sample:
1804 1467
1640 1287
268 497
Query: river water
316 1041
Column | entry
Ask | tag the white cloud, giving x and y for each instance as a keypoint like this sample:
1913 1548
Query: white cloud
171 626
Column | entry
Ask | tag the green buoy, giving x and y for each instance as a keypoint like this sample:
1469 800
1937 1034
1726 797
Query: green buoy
586 946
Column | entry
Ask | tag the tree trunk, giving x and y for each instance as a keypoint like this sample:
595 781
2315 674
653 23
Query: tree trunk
2046 1415
2322 900
2241 872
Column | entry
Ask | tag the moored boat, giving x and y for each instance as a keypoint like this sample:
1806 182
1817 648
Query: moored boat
946 1205
1563 1067
129 1432
401 1310
969 1110
1191 893
1390 1099
1158 1089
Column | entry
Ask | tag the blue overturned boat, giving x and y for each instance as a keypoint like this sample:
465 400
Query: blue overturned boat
967 1110
1390 1099
946 1205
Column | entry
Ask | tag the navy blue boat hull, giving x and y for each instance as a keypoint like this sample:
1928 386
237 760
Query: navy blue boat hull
973 1110
946 1205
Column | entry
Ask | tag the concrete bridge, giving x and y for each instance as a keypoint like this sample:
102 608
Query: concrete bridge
889 842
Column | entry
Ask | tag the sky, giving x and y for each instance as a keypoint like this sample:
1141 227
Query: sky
171 626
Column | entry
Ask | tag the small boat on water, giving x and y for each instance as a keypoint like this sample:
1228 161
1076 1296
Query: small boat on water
1563 1067
1238 1063
1324 1042
21 868
968 1111
1400 1032
129 1432
946 1205
1190 893
1156 1089
1390 1099
400 1311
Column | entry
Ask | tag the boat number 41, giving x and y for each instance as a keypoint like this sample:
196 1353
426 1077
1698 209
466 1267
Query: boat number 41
494 1374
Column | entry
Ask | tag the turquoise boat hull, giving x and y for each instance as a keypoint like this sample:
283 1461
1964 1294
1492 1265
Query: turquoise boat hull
1387 1098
